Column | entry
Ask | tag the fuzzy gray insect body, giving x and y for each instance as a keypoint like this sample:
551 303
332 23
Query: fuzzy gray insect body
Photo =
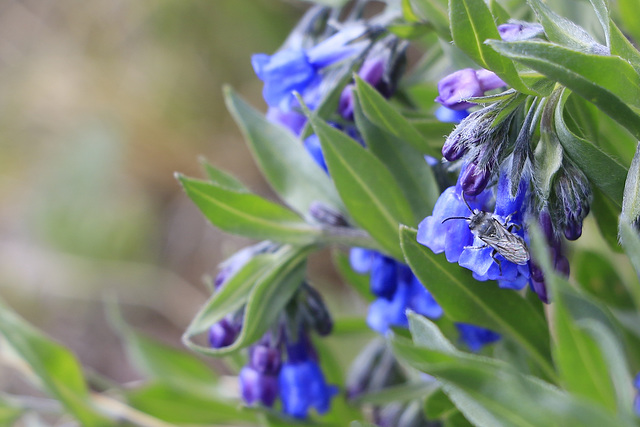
499 236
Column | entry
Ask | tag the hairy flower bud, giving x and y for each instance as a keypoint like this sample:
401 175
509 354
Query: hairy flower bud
570 200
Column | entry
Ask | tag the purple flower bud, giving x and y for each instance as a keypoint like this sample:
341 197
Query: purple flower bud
537 282
474 179
458 86
222 334
519 30
345 106
265 359
573 229
489 80
452 149
258 387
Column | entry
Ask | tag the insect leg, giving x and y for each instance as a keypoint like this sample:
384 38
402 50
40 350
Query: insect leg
476 247
512 227
493 255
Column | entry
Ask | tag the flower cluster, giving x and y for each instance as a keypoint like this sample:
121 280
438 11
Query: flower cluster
295 376
396 288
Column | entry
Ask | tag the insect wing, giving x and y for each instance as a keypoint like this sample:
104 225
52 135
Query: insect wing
507 244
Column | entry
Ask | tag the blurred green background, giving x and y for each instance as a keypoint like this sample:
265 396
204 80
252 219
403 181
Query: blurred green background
100 103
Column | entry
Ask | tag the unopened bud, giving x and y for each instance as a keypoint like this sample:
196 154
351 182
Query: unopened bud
474 179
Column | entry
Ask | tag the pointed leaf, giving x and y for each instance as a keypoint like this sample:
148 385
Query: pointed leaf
607 81
563 31
492 393
54 365
407 165
222 178
267 298
379 111
248 214
471 25
292 173
370 192
160 361
603 170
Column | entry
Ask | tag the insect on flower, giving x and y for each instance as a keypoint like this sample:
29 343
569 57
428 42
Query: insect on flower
497 235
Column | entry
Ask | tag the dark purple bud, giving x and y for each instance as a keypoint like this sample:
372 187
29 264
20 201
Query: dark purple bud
452 149
265 359
456 87
474 179
345 106
258 387
519 30
383 280
573 229
320 318
489 80
537 283
222 334
372 70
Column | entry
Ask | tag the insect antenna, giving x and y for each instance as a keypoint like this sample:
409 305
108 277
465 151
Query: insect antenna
466 203
454 217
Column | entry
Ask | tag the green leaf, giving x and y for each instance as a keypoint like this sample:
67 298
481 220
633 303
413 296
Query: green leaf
232 296
631 199
563 31
434 12
248 214
399 393
609 82
272 291
55 366
8 412
222 179
599 278
181 407
292 173
631 244
370 192
616 361
606 213
466 300
628 10
379 111
162 362
603 170
471 25
582 366
408 166
491 393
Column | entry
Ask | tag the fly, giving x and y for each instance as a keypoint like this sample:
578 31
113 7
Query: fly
497 235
